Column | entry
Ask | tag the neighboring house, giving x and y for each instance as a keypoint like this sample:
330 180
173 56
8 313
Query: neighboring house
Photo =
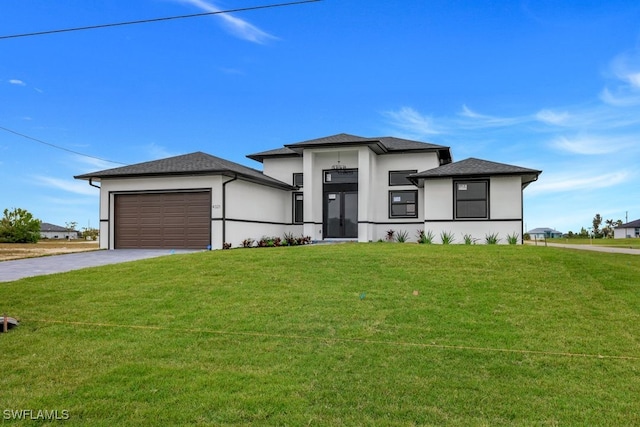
51 231
337 187
630 229
544 233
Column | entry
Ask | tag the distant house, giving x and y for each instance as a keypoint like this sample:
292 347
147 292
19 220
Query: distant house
630 229
52 231
336 187
544 233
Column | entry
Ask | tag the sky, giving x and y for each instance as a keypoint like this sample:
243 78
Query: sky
547 85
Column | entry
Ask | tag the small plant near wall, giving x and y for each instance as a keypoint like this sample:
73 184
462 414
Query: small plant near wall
469 240
513 239
491 239
402 236
391 235
248 243
226 245
447 237
425 238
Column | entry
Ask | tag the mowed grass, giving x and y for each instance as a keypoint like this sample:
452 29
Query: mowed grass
332 335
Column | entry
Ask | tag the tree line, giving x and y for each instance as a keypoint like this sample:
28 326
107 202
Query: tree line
598 231
20 226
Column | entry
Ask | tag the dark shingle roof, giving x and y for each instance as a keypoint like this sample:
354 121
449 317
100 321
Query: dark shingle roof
379 145
541 230
278 152
476 168
197 163
632 224
45 226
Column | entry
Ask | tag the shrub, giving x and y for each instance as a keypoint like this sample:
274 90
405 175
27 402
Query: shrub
19 226
446 237
469 240
513 239
491 239
425 238
402 236
247 243
226 245
391 235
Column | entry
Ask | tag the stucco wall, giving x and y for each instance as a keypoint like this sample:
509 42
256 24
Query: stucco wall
282 168
505 207
505 197
254 211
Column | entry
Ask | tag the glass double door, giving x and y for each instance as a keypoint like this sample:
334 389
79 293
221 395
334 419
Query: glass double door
340 214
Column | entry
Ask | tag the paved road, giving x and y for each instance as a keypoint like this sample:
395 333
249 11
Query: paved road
613 250
20 268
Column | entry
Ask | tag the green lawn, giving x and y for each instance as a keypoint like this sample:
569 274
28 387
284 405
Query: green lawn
332 335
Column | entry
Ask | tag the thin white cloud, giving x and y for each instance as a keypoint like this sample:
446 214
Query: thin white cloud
409 120
622 98
478 120
593 145
625 72
236 26
69 185
552 117
17 82
90 164
565 183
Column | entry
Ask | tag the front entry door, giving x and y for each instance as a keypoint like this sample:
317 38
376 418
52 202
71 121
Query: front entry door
341 214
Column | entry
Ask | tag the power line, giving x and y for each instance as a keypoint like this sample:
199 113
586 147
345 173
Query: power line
59 147
145 21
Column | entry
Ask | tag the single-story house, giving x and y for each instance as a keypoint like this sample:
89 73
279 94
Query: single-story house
543 233
630 229
337 187
51 231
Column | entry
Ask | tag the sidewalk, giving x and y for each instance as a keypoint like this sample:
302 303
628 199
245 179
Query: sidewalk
594 248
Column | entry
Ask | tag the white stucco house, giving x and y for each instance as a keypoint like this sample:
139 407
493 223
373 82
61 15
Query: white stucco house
630 229
542 233
337 187
52 231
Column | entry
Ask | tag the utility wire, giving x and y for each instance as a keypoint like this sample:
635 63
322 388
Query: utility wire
59 147
145 21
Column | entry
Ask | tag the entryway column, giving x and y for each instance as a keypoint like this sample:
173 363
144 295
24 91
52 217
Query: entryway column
365 231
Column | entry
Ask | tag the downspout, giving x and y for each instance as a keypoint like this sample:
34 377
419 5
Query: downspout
224 208
92 184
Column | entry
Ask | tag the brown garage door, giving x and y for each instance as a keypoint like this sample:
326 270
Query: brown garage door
163 220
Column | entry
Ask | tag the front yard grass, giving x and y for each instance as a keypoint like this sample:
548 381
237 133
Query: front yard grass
350 334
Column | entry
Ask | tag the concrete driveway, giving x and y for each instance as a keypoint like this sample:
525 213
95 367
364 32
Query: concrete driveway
21 268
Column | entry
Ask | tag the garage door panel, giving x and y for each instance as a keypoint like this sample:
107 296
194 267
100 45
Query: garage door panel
163 220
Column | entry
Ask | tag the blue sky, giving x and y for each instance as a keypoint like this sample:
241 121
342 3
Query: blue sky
549 85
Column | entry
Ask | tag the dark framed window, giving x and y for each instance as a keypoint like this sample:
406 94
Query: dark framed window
341 176
298 208
471 199
400 177
403 204
298 179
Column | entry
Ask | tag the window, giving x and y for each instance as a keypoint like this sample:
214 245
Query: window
471 199
400 177
341 176
297 180
403 204
298 208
